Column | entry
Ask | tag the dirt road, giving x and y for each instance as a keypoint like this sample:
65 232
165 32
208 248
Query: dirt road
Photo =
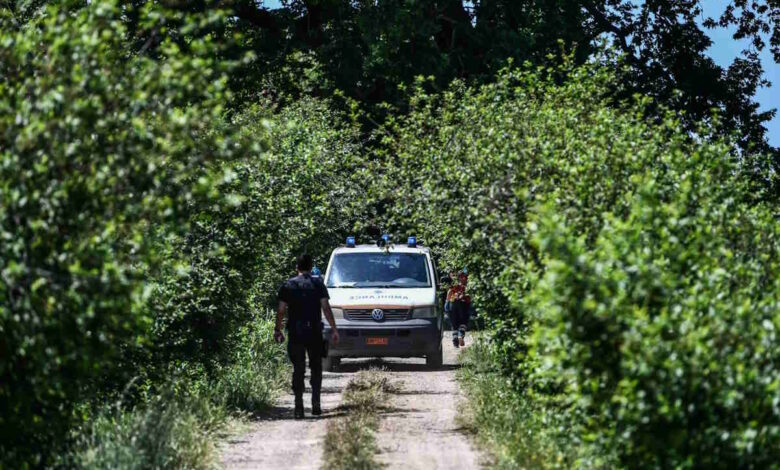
418 431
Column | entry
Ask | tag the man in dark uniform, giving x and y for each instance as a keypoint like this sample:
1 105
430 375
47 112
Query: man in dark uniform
303 297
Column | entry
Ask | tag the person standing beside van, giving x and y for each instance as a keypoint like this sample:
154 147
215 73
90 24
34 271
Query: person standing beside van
460 309
303 298
449 282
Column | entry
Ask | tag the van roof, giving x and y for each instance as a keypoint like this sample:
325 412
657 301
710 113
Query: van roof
397 248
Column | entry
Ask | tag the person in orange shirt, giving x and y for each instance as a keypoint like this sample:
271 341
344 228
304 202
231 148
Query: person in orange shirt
460 305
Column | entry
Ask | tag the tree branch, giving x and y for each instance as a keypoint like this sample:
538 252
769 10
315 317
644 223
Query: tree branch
607 26
260 17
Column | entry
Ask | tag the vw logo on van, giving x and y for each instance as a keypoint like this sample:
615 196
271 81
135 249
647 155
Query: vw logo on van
378 314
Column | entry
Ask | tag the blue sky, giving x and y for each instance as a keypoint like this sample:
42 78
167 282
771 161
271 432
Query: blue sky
723 51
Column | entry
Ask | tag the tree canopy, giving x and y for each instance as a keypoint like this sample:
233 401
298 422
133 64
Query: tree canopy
368 48
161 164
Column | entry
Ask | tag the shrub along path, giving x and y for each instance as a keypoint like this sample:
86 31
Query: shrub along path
416 431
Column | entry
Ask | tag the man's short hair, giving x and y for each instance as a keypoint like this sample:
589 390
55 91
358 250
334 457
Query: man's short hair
304 263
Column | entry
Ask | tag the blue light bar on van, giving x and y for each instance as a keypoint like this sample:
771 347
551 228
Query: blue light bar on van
350 242
386 238
412 242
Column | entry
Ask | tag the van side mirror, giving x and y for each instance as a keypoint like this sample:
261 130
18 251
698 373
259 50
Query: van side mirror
445 280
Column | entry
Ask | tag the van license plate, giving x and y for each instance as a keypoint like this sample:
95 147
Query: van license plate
376 341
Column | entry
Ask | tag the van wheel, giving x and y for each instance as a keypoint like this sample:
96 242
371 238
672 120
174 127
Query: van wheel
434 359
330 363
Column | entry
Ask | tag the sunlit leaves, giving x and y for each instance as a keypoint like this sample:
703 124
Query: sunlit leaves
624 267
98 146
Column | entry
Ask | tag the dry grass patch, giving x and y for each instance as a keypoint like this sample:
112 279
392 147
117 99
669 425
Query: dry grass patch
350 442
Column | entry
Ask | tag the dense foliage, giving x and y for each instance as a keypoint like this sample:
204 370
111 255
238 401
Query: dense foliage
302 194
518 432
161 165
629 276
145 230
96 148
179 424
368 48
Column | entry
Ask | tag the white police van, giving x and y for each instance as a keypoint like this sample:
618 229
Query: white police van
384 301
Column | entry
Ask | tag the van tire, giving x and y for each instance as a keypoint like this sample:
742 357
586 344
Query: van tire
330 363
434 360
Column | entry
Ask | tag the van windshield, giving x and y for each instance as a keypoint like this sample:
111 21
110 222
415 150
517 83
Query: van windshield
379 270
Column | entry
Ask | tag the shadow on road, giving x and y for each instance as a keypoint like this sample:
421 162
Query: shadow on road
351 366
285 413
391 366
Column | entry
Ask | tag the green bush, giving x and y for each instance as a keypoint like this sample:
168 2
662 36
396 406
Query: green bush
179 423
141 223
257 372
627 272
99 146
165 432
663 334
517 431
299 189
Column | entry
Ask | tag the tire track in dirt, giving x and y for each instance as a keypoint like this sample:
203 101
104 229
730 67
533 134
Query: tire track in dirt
421 431
277 441
417 431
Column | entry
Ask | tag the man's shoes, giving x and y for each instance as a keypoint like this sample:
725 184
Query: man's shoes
462 341
298 409
316 410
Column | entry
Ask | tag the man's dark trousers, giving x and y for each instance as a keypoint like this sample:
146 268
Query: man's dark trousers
297 350
460 317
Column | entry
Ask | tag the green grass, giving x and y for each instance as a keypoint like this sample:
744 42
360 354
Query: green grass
180 426
350 442
512 428
259 371
163 432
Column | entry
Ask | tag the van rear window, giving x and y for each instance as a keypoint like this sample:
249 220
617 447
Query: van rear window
379 270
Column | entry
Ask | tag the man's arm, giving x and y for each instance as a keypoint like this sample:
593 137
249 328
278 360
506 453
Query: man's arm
280 312
329 316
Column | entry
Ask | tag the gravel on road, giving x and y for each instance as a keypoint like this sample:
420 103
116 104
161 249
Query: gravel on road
417 430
